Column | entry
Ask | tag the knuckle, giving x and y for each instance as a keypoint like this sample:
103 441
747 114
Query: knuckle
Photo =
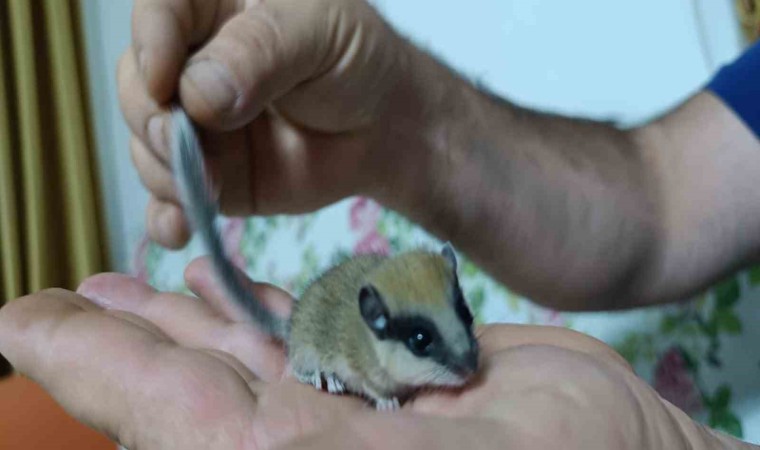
54 292
256 42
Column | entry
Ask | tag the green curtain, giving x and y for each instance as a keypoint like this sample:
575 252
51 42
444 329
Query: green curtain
51 227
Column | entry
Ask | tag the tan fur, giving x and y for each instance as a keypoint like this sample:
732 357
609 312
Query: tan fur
419 277
328 334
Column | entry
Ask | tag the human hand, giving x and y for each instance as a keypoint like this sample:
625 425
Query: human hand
157 370
162 371
292 98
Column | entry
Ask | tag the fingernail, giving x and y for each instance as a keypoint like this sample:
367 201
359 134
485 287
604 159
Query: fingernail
157 135
93 294
213 82
101 301
115 290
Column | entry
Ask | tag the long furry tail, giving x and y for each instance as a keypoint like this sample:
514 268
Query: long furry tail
196 195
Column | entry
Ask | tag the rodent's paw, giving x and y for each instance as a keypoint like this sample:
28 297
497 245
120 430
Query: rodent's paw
311 378
334 385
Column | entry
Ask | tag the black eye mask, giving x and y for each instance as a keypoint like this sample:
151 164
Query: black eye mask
417 333
461 307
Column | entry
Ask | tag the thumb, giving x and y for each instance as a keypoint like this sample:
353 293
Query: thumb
257 56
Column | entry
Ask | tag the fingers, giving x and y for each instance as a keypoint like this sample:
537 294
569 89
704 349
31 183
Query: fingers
501 337
167 224
547 389
165 221
246 55
513 356
189 322
48 336
163 32
200 279
153 173
33 317
145 116
258 55
119 377
160 43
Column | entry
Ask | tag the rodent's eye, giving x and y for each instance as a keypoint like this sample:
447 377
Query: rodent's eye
420 342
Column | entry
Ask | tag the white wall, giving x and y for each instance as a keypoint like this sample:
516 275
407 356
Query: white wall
615 60
600 58
107 26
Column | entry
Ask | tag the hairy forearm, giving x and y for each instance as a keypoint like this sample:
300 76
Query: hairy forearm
559 210
575 214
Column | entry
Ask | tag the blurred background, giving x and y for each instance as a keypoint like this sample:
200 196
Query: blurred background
72 205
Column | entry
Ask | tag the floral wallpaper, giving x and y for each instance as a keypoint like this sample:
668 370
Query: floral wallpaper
701 356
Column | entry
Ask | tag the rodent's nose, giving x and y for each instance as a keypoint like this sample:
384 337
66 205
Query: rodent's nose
467 364
471 359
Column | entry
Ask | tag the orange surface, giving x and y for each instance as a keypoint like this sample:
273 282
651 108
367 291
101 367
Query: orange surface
31 420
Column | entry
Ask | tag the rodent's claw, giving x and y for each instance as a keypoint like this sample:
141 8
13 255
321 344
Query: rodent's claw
313 378
334 385
316 380
387 404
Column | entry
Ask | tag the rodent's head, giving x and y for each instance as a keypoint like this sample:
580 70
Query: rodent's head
414 307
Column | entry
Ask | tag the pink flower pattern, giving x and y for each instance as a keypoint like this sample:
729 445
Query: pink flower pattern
364 215
675 383
363 218
232 237
554 318
372 243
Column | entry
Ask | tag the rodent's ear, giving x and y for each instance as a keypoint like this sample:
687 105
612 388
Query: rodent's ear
450 255
373 310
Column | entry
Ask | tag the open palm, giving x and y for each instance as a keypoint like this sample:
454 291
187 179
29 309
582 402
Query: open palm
164 371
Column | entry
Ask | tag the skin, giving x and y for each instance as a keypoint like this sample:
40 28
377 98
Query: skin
170 372
574 214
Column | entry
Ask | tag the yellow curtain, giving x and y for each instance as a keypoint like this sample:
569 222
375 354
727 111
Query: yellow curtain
50 213
749 17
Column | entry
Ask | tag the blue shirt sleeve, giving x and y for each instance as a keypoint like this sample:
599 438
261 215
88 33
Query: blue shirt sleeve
738 85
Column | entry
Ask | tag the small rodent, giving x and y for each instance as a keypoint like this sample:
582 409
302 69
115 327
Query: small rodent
377 326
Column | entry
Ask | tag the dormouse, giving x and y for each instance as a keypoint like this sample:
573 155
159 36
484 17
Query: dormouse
378 326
